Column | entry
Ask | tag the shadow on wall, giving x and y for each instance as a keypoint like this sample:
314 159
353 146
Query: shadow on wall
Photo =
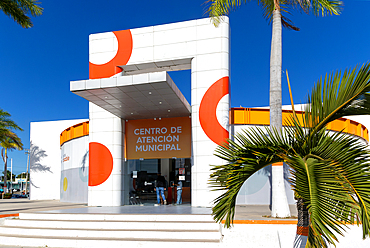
36 155
84 162
83 171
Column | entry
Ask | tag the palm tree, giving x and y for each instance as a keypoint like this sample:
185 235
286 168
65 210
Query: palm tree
8 175
20 10
9 143
6 124
8 139
274 11
329 171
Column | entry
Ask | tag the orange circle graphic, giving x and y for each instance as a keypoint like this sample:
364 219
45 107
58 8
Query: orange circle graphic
123 55
100 163
207 111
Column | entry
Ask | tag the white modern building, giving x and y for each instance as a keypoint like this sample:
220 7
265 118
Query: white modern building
140 124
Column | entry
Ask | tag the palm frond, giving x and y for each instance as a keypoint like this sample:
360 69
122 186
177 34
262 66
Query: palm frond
333 179
323 7
11 142
252 150
337 96
216 9
19 10
7 136
7 123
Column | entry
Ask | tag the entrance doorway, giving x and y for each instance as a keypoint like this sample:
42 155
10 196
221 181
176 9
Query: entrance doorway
143 173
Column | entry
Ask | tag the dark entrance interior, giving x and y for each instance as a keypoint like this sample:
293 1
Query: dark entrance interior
142 175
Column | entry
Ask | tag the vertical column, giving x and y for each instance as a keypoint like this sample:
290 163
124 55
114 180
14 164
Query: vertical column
106 158
280 207
210 105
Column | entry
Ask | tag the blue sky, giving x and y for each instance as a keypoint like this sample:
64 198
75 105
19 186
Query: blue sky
37 64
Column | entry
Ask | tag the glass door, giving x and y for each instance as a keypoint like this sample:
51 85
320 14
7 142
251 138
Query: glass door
142 174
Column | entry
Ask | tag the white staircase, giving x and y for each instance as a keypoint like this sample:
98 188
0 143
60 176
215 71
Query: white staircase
110 230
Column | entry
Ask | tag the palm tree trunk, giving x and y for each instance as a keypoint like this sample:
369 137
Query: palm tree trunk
279 205
5 159
302 225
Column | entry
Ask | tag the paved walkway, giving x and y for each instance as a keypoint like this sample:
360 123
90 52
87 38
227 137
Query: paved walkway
15 206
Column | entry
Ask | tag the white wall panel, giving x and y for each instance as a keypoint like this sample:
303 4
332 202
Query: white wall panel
214 61
140 78
104 45
103 124
108 82
201 136
210 46
99 36
141 55
174 51
108 131
100 198
223 107
118 169
74 170
92 84
177 25
175 36
45 171
102 137
202 77
78 85
205 149
205 32
116 201
143 30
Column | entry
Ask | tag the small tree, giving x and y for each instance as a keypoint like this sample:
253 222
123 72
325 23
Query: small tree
24 175
7 175
329 171
11 142
8 139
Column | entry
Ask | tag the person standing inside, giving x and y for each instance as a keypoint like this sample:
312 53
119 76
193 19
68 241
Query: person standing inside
179 191
165 189
160 187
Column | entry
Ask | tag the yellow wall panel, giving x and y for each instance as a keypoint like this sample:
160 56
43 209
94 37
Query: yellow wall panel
256 116
75 131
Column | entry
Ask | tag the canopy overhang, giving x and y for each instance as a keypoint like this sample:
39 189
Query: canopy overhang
140 96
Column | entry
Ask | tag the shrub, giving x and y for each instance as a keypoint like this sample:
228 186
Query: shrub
8 196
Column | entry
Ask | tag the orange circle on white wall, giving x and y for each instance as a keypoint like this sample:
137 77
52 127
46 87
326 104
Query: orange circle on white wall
100 163
125 45
207 111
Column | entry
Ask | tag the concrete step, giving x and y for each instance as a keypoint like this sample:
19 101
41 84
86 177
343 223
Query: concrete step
58 242
109 230
118 217
212 236
107 225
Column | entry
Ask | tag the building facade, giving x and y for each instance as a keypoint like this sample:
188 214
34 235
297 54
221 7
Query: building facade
140 124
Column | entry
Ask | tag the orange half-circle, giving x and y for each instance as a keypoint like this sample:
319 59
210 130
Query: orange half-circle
123 55
207 111
100 163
